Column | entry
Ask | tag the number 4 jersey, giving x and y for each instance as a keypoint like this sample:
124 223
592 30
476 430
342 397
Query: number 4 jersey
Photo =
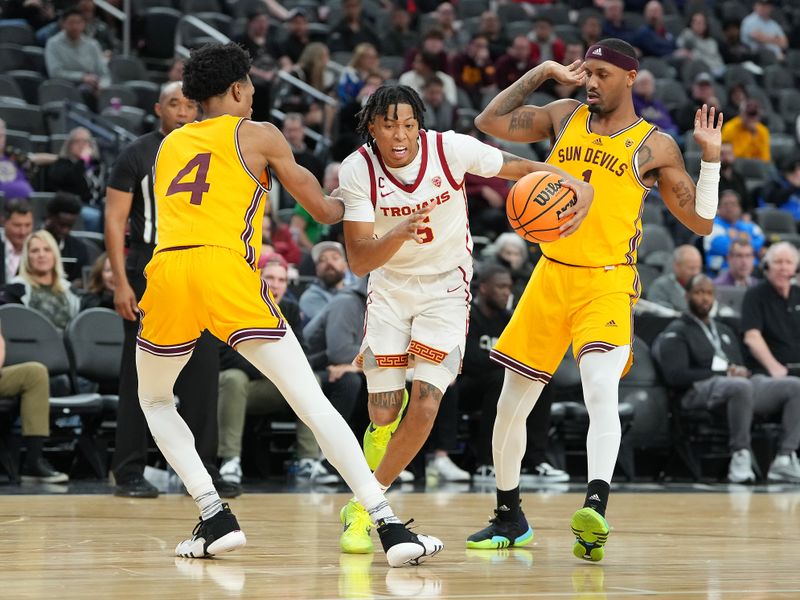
205 194
373 192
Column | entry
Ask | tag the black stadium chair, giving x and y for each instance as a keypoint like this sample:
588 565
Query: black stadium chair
29 82
23 118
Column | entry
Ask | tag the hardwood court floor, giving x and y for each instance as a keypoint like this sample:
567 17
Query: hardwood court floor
737 545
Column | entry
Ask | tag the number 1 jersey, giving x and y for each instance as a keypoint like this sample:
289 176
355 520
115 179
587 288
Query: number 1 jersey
385 196
205 195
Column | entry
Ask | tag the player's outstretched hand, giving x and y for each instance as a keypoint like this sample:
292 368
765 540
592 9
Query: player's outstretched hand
707 134
125 301
413 227
584 195
572 74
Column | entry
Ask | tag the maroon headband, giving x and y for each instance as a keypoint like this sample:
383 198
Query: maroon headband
618 59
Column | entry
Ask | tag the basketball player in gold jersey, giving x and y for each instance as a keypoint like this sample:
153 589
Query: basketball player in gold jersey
211 184
583 289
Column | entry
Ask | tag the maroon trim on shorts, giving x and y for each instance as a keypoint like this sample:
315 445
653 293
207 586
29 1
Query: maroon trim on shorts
169 350
518 367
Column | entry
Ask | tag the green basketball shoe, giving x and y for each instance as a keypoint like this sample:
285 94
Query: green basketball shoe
357 526
591 532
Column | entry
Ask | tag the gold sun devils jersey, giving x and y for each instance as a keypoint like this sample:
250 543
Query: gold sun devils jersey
611 232
205 195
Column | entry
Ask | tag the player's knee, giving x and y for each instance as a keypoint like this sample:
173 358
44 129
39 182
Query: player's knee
385 406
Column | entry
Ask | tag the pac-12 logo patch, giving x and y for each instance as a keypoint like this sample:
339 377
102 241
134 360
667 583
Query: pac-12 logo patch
437 181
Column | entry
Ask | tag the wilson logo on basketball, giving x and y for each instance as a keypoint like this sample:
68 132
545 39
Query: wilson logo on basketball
437 181
544 196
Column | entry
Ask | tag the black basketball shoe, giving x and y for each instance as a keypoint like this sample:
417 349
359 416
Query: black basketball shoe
214 536
404 547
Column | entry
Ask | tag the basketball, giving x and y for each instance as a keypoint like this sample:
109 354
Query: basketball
537 204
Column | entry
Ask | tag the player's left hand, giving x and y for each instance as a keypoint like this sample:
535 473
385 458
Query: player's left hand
707 134
584 195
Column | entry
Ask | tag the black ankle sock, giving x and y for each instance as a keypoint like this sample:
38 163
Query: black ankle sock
508 504
597 496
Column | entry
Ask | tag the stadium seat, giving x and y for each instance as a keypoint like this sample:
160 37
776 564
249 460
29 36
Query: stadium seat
58 90
126 68
655 238
159 25
33 57
147 93
472 8
775 220
126 95
29 82
652 214
15 32
24 118
9 88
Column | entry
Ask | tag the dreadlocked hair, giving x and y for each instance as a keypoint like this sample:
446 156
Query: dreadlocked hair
212 69
379 102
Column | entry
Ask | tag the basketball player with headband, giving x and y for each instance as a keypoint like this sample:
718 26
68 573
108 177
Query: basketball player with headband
583 290
405 223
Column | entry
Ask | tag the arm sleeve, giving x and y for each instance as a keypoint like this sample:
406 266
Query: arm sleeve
354 187
465 154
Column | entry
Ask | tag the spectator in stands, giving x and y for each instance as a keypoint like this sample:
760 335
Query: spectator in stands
702 357
62 213
333 339
515 62
729 179
279 237
427 66
312 68
37 13
100 291
294 132
401 35
97 29
353 29
305 229
454 38
732 49
365 60
244 390
299 37
347 139
432 43
511 252
699 44
760 30
545 44
652 38
702 93
259 39
591 30
729 226
79 171
737 94
491 27
473 70
748 135
442 114
331 267
41 283
31 382
74 56
17 227
481 380
614 21
741 264
770 315
670 289
649 107
785 192
13 180
175 72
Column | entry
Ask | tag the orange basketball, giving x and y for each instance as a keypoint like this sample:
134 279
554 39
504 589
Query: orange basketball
537 206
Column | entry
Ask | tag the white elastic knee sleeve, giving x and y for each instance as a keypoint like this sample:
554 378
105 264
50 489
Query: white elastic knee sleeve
437 374
600 375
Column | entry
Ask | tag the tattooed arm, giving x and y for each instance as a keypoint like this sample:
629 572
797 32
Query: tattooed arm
661 161
508 118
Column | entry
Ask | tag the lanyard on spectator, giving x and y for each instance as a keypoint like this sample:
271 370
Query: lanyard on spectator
713 336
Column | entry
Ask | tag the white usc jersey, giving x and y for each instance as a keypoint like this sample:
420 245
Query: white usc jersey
373 192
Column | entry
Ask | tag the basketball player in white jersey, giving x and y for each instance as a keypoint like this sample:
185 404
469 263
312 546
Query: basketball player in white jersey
405 223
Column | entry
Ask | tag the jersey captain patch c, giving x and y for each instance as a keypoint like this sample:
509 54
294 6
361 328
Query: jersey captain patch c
611 232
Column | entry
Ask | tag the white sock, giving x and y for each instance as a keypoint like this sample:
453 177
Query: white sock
284 363
510 436
600 375
157 375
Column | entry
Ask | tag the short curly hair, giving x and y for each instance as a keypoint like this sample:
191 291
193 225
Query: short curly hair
381 100
212 69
